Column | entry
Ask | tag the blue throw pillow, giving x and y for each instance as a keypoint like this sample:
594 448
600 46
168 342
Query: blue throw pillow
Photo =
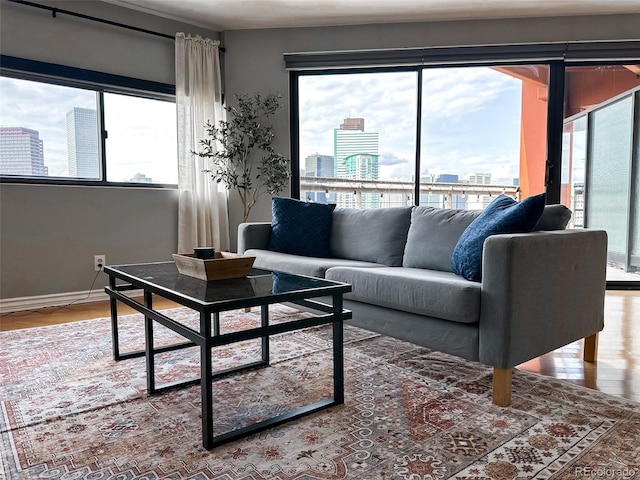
301 228
503 215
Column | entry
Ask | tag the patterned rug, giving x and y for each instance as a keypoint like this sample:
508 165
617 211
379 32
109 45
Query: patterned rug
70 412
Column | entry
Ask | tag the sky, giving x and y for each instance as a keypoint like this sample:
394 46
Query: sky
471 122
141 132
471 119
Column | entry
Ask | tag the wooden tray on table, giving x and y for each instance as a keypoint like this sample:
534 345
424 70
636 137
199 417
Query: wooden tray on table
224 265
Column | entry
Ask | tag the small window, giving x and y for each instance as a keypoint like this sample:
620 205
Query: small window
51 132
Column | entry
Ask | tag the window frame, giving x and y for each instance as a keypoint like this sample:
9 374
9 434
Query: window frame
295 74
98 82
557 55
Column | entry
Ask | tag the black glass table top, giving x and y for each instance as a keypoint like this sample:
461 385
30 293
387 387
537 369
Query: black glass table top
258 284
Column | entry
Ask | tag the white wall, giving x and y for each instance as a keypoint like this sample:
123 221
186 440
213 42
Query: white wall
49 234
254 58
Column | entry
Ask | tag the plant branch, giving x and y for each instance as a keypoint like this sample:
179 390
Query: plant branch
233 145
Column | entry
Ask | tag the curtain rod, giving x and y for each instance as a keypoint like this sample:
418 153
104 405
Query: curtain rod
54 11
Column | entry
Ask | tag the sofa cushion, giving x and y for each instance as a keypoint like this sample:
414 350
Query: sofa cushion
432 293
300 265
373 235
300 228
554 217
503 215
433 235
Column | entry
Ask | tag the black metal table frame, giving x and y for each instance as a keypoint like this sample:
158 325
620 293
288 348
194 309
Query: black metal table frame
208 338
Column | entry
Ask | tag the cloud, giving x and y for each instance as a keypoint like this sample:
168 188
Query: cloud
391 159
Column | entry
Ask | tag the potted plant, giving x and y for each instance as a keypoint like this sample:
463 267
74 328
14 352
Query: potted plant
241 152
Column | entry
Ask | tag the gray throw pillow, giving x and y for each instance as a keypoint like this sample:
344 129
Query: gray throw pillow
375 235
554 217
433 234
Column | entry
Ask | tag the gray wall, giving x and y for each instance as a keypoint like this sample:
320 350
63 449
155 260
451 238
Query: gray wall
33 33
254 59
49 234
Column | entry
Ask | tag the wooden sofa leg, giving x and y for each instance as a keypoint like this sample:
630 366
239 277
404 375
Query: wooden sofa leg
502 386
590 353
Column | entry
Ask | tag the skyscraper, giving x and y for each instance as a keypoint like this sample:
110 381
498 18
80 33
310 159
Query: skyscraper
351 141
21 152
362 166
82 143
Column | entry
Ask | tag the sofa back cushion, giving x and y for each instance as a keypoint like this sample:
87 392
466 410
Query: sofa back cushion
433 234
374 235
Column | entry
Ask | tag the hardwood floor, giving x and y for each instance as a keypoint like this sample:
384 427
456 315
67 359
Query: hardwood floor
74 313
617 371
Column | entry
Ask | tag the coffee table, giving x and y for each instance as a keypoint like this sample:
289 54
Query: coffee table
260 288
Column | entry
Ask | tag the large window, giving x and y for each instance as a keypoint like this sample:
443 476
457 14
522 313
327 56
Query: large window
62 133
443 137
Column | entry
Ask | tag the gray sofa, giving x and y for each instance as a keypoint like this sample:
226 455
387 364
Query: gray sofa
539 290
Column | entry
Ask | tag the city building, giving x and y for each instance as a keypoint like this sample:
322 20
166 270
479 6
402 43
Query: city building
349 140
353 124
82 143
353 140
141 178
317 165
450 200
362 166
447 178
480 179
479 202
21 152
577 202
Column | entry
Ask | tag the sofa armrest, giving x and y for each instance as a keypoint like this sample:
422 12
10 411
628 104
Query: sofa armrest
253 235
540 291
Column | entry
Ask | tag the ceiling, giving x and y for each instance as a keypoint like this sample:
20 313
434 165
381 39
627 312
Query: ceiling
247 14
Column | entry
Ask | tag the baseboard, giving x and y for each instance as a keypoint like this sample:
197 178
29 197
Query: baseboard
18 304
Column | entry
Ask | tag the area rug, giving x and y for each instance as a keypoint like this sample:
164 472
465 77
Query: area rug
70 412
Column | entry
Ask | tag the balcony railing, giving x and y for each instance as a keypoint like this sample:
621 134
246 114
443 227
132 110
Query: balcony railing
358 187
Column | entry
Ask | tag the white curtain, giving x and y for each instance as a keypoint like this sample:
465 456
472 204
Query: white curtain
202 215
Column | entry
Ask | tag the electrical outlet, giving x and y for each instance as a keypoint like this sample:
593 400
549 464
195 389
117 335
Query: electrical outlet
98 262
